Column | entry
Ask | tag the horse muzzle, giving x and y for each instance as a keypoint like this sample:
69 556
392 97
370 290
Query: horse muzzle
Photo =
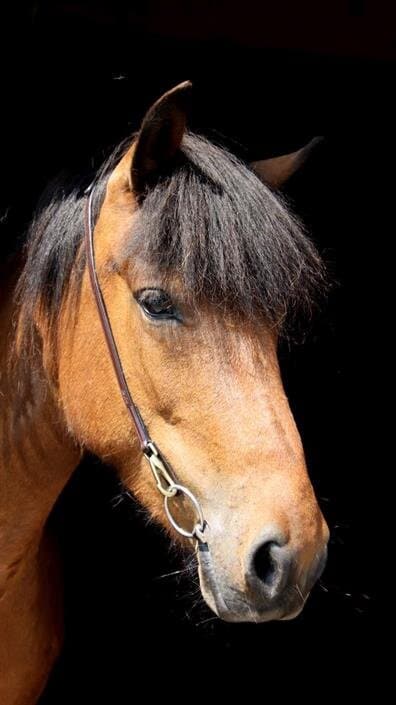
273 587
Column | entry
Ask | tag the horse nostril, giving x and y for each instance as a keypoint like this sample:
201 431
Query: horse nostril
276 577
265 567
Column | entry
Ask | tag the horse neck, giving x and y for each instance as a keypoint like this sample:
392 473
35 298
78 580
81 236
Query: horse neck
37 456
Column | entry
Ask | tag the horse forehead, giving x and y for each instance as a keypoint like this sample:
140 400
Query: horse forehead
114 228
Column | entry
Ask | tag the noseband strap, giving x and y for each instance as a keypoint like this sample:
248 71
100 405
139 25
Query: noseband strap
163 475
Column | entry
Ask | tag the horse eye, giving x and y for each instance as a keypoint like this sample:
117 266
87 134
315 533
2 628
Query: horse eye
157 304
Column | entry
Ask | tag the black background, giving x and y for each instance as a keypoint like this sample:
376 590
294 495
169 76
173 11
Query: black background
76 78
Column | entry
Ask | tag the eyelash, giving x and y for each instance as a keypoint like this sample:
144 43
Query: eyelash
161 315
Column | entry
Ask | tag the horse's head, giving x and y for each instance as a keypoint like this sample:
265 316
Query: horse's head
199 263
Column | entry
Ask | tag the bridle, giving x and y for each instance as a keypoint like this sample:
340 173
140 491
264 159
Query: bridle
163 475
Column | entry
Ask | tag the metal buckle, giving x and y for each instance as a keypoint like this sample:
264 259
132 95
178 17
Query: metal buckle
159 471
199 527
170 489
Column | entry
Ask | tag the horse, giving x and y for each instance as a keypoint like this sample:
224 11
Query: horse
141 324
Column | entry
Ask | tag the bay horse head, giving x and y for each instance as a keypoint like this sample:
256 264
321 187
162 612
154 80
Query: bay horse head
201 267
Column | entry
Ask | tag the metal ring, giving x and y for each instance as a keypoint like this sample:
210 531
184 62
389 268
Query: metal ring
199 525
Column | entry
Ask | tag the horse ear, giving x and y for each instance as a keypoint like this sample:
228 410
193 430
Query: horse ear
276 171
160 136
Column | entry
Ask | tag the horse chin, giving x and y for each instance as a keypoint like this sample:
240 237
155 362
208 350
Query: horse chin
225 604
292 615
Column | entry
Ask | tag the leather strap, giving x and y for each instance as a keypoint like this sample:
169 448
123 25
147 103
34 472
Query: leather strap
141 429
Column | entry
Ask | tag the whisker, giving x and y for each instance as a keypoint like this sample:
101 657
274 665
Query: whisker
205 621
299 593
169 575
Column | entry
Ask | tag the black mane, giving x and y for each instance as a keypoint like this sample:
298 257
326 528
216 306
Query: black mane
231 241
